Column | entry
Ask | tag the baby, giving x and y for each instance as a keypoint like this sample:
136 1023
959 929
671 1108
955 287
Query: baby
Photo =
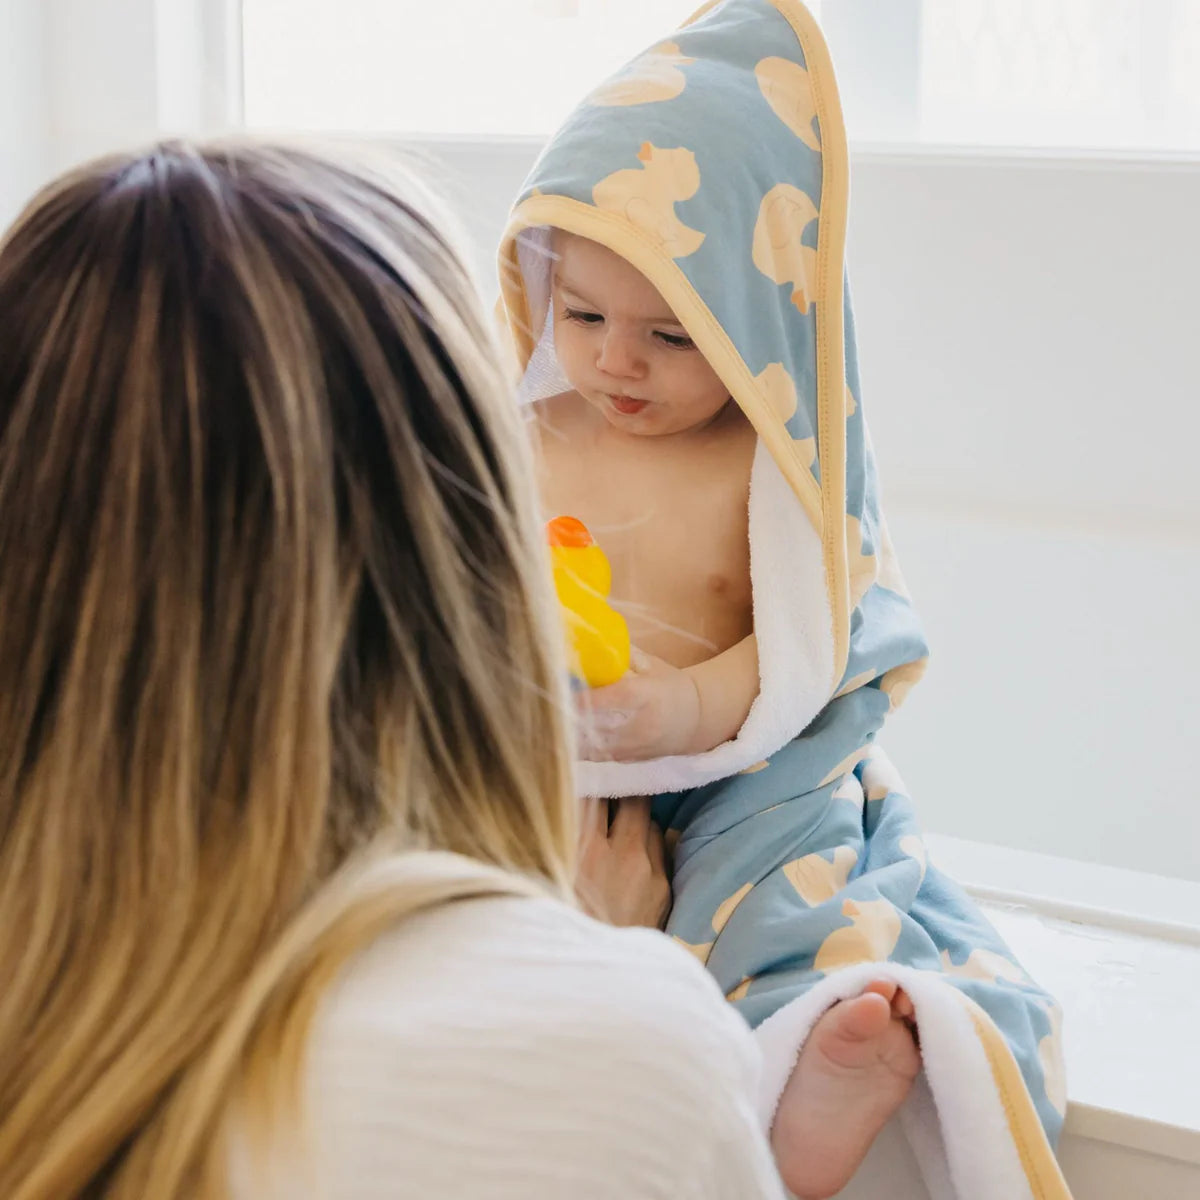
650 451
653 455
673 281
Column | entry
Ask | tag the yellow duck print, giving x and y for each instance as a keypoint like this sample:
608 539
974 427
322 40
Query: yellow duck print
597 636
720 919
899 681
779 390
786 87
871 936
651 79
846 765
816 879
785 213
862 567
986 966
646 196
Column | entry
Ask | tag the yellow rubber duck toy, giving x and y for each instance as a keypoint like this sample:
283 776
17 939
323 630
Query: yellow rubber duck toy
597 636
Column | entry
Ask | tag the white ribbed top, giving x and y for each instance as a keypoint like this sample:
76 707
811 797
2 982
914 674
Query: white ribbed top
513 1049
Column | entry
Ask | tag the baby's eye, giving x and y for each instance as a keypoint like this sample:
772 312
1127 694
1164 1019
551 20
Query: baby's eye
677 341
582 316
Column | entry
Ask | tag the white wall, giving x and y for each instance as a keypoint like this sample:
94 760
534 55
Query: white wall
80 78
1028 333
24 117
77 78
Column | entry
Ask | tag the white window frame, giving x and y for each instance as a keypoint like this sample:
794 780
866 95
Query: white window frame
127 70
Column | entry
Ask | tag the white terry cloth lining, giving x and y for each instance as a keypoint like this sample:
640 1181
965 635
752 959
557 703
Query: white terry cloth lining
792 618
953 1118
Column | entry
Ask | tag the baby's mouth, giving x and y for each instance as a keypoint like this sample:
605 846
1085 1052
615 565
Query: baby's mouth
627 405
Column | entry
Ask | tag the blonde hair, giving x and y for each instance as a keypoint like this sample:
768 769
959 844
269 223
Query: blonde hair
277 660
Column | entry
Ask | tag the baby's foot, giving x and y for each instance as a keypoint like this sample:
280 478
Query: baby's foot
852 1075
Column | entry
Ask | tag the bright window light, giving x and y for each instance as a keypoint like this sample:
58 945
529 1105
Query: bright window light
1118 75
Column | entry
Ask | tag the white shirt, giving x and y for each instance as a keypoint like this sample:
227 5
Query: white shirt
513 1049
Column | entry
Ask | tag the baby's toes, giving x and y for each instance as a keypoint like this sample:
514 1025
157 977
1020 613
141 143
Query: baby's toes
898 1050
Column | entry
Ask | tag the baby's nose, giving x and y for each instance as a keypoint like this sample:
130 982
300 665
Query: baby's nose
619 356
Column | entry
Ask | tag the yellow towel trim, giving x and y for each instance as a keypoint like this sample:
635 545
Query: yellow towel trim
1041 1169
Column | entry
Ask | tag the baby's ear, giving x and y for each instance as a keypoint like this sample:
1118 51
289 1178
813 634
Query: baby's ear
646 153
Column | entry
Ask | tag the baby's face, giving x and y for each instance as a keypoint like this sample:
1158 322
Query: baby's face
623 350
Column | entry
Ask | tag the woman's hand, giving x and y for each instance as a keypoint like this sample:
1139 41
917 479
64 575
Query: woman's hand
653 712
622 866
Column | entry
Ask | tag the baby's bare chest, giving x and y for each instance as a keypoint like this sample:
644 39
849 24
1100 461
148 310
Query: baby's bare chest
675 529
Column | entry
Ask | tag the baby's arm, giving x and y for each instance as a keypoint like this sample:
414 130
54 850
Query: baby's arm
659 710
727 686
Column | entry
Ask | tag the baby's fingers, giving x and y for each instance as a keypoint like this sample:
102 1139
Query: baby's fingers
600 736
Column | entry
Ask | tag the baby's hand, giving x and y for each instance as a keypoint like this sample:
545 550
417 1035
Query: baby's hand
653 712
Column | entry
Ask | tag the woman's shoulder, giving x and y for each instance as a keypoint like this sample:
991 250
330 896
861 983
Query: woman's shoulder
517 958
518 1039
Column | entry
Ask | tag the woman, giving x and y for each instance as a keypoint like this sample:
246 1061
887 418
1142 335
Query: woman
286 821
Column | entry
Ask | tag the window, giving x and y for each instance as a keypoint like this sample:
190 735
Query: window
1121 74
1118 75
451 67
